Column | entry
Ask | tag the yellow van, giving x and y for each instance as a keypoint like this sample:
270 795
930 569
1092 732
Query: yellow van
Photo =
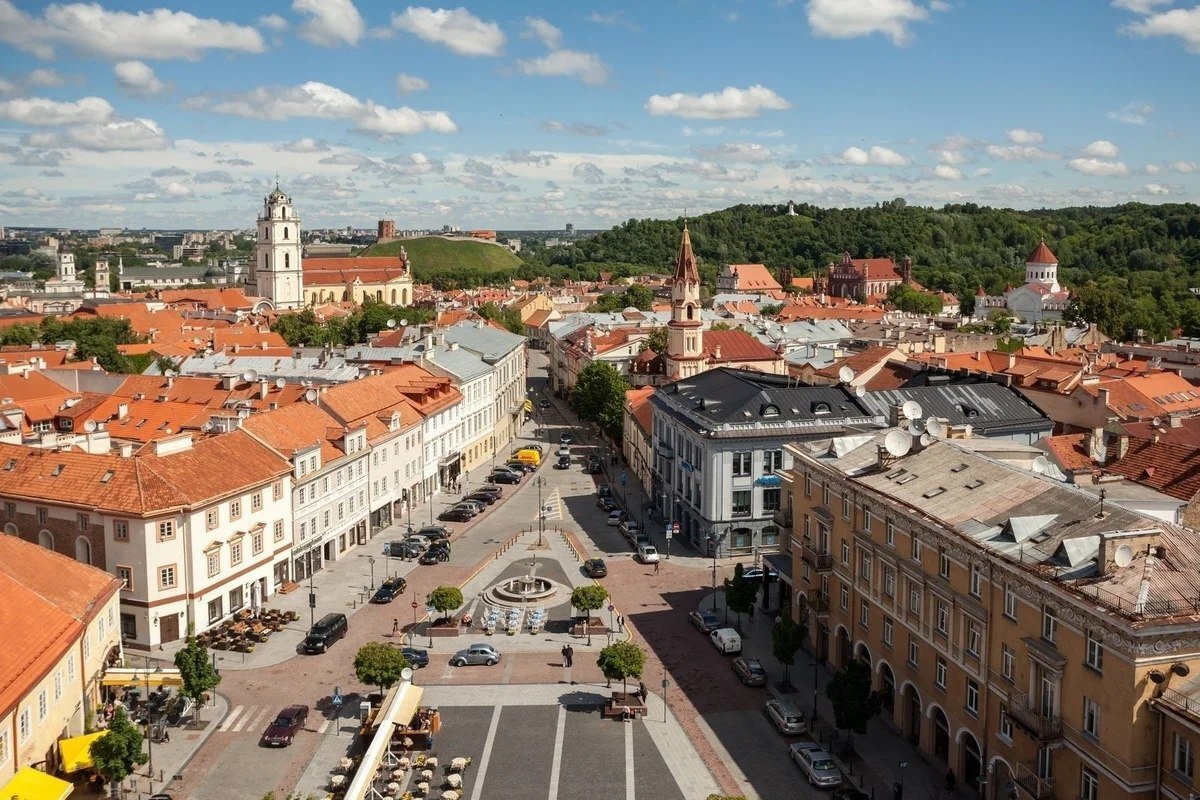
530 455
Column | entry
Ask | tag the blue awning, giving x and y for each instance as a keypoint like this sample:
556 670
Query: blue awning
770 481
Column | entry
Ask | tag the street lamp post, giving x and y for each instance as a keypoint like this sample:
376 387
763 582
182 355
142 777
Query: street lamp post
714 543
371 561
541 481
312 596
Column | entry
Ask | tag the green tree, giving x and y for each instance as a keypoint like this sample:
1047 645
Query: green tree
507 316
446 599
197 672
1001 320
599 396
771 309
786 637
722 326
118 751
640 297
854 704
739 594
657 340
378 664
908 299
588 599
621 661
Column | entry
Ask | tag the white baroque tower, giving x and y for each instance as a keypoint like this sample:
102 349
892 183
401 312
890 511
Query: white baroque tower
276 273
685 340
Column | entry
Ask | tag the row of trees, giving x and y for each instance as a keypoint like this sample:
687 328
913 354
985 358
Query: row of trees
94 337
303 328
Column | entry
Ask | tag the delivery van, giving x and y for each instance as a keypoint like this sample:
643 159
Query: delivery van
529 455
726 640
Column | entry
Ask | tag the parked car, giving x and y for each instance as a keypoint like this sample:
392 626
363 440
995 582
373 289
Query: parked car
418 658
486 498
476 654
595 568
640 538
756 574
500 475
469 506
629 529
565 438
594 466
389 590
615 518
492 489
403 549
456 515
706 621
606 503
437 552
816 764
329 629
521 466
726 640
564 462
478 505
543 403
565 450
604 491
433 533
750 671
282 731
786 717
647 554
418 539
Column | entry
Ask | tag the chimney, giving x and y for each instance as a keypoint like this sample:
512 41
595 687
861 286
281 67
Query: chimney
122 410
125 450
717 352
228 382
1175 421
895 414
1122 445
263 388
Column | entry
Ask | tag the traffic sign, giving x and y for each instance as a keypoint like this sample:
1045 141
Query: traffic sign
312 600
415 604
611 607
668 530
675 527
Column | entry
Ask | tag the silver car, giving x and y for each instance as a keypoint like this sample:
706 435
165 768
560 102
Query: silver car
816 764
476 654
786 718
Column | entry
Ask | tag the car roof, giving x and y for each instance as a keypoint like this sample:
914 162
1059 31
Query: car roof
292 711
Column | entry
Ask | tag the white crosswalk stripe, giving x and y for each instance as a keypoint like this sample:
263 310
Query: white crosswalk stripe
552 506
250 720
324 726
231 718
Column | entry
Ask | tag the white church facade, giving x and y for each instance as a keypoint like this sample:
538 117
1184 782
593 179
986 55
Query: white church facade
1039 299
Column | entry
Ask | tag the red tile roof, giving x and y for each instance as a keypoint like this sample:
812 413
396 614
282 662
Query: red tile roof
753 277
638 403
1172 469
1042 255
685 264
353 264
736 345
1068 451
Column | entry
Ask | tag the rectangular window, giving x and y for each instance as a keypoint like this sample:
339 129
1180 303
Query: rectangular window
807 484
10 510
25 727
887 631
915 547
125 575
1091 717
1089 785
942 618
303 530
166 530
1010 602
913 651
235 509
42 516
864 613
1095 652
1005 723
342 510
71 667
235 553
128 626
976 588
277 490
770 500
1049 624
3 747
256 501
256 543
741 503
1185 759
215 610
212 519
972 696
943 564
939 673
279 530
1008 662
57 686
166 577
236 599
864 565
84 521
43 705
844 596
214 563
825 494
847 507
772 460
973 639
300 495
120 530
325 519
867 520
889 581
889 534
845 552
741 464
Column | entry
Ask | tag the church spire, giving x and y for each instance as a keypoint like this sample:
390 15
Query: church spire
685 265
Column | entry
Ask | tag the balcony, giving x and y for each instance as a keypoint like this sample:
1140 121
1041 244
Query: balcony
1032 721
783 518
816 557
664 450
1032 785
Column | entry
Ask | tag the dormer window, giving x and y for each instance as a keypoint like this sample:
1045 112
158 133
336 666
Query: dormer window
770 411
821 408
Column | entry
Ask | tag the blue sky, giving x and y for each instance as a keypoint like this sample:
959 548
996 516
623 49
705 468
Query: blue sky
534 114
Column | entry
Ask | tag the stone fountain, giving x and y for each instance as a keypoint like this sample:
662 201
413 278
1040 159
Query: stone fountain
523 591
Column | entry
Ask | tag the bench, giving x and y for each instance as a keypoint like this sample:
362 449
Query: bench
615 708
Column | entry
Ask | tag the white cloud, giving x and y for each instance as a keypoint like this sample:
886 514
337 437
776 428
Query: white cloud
94 30
1098 168
1132 113
177 189
1181 22
947 172
528 157
305 145
952 157
117 134
273 22
1152 169
1018 152
1023 136
587 67
346 159
43 111
7 87
729 103
1156 189
457 29
1182 166
838 19
136 77
407 84
330 22
612 19
573 128
540 29
1102 148
1140 6
588 172
748 152
45 78
876 156
418 164
322 101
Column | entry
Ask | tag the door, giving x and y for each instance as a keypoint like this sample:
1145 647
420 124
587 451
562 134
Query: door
168 628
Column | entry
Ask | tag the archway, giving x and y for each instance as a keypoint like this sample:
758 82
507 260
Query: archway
46 540
11 529
83 550
887 685
972 760
1001 780
862 653
940 729
842 646
910 722
346 295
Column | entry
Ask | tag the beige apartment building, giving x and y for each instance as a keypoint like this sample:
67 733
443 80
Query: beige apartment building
1031 637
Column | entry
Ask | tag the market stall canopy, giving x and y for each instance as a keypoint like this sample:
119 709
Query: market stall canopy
76 752
30 784
126 676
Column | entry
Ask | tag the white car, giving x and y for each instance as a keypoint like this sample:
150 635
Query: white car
647 554
615 518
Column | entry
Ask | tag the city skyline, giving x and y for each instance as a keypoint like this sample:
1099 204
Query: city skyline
491 116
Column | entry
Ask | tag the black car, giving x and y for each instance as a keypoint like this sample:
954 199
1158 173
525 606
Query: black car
606 503
594 466
605 491
482 497
456 515
389 590
504 476
417 658
564 462
595 568
565 438
434 532
437 552
543 403
492 488
523 466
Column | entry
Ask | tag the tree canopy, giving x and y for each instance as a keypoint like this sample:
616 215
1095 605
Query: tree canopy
119 750
378 664
621 661
196 670
599 396
446 599
854 704
786 637
588 599
740 592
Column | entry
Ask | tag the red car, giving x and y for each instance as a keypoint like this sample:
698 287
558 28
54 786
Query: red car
287 724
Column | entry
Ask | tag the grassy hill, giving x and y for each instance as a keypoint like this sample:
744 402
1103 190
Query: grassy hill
431 255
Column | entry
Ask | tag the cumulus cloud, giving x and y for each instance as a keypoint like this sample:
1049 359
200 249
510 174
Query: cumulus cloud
407 84
528 157
45 78
457 29
116 134
1018 152
168 172
1132 113
838 19
1102 148
346 159
1182 166
877 156
273 22
735 151
947 172
730 103
1140 6
136 77
321 101
612 19
1156 189
417 164
94 30
1152 169
573 128
588 172
1181 22
305 145
587 67
330 22
1098 167
483 169
43 111
1024 136
540 29
176 189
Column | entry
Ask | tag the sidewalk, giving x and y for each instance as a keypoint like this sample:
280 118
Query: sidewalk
879 752
171 758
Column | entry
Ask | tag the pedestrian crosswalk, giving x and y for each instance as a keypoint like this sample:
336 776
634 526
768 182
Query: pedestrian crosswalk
255 719
552 507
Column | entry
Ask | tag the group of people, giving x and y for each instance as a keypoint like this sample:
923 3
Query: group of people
568 655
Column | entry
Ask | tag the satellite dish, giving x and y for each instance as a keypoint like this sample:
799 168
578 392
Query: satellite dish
403 323
916 427
311 395
1041 465
406 674
280 383
249 376
926 440
845 374
1124 556
860 391
170 373
1157 421
935 427
898 443
391 323
90 425
911 409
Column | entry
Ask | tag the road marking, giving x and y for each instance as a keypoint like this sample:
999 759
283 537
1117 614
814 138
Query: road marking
477 789
630 786
233 715
249 724
324 726
556 763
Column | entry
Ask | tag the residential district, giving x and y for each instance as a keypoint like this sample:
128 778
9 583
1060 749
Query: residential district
791 539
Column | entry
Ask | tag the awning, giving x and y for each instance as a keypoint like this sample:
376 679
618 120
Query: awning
30 784
76 751
407 703
782 563
127 676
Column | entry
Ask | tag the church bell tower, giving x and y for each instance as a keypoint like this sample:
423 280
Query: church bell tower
276 272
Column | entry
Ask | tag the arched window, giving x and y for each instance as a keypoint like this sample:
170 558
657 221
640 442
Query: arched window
379 295
83 550
287 260
691 312
393 297
11 529
283 213
286 235
46 540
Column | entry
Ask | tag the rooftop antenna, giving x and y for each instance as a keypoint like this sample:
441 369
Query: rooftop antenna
1103 494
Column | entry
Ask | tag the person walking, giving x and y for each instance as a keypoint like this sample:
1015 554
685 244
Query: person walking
656 565
642 692
565 661
570 656
395 627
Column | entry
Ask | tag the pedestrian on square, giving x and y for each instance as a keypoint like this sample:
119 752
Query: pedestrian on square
621 623
642 691
570 656
564 656
395 626
656 565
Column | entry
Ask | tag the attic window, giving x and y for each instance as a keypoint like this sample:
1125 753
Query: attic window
10 465
108 475
906 479
57 470
959 468
975 484
820 408
934 492
770 411
969 412
893 475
